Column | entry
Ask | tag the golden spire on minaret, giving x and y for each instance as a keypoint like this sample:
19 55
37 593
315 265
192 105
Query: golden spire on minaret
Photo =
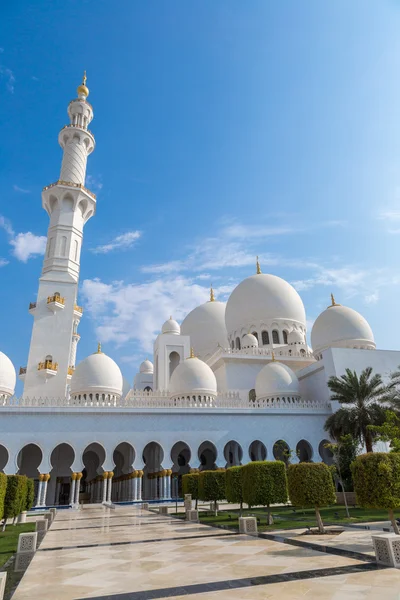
82 89
99 348
212 297
258 267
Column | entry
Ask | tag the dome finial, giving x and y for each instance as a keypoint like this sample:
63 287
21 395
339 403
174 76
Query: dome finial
83 90
212 297
334 303
99 348
258 267
192 353
273 357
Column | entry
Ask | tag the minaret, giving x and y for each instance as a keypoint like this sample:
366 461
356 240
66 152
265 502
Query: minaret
56 315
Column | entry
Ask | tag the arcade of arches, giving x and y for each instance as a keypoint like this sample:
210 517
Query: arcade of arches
159 478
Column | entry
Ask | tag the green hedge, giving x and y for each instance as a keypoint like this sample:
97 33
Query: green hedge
30 494
190 484
265 483
376 477
15 498
212 486
233 484
311 485
3 489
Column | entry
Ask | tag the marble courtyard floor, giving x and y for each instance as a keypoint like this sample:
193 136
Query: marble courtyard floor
131 554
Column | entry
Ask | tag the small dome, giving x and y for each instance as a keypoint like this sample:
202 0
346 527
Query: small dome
341 327
97 373
146 366
296 337
8 376
276 380
260 300
171 327
249 341
205 325
193 376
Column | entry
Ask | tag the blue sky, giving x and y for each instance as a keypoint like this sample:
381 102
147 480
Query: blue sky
224 130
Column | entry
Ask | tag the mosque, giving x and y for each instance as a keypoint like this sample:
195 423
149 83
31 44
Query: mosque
234 382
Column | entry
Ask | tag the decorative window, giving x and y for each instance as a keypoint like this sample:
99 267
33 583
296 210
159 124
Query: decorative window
252 395
275 336
284 333
63 245
238 343
265 338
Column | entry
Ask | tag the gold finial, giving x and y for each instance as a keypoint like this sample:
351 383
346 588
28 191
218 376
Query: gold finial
273 357
83 90
212 297
258 267
99 348
334 303
170 317
192 353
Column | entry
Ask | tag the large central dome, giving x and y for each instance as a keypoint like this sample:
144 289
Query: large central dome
205 325
261 300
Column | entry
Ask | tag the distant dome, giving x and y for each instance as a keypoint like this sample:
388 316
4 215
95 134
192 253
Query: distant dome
296 337
171 327
261 300
249 341
341 327
97 373
146 366
8 376
276 380
205 325
193 376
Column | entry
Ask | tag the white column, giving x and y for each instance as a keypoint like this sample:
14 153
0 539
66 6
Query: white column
163 487
77 487
39 492
139 487
72 489
135 488
44 489
110 476
105 481
169 484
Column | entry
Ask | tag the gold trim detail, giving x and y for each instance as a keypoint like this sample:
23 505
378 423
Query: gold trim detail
258 267
48 365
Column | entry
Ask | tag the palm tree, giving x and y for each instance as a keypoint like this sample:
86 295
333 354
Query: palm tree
362 397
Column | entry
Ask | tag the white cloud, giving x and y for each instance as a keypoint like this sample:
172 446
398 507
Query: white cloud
121 242
27 245
94 183
6 225
371 298
22 190
3 262
135 312
9 78
35 78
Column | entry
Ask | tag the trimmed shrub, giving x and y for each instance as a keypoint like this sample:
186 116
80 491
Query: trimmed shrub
376 478
30 494
311 485
233 486
212 486
15 498
190 485
3 488
265 483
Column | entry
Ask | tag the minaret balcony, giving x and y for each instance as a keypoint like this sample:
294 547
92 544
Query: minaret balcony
48 368
32 306
78 310
70 372
22 373
55 303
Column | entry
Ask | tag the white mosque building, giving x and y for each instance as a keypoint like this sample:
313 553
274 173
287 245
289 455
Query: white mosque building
235 382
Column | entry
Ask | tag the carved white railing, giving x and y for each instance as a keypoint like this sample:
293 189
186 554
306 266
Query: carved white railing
228 400
278 353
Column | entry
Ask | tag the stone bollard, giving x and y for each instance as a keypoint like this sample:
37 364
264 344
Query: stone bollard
21 519
41 528
3 578
163 510
192 515
387 549
53 511
27 543
248 525
48 515
145 506
188 502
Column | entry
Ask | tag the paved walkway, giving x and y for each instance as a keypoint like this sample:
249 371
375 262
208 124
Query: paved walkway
130 554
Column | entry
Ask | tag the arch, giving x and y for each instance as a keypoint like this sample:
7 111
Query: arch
4 455
304 451
284 335
207 454
232 345
61 460
82 206
238 343
302 351
233 454
53 203
257 451
153 455
67 203
325 453
123 456
265 338
275 336
174 360
93 458
252 395
281 451
29 459
63 249
147 389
